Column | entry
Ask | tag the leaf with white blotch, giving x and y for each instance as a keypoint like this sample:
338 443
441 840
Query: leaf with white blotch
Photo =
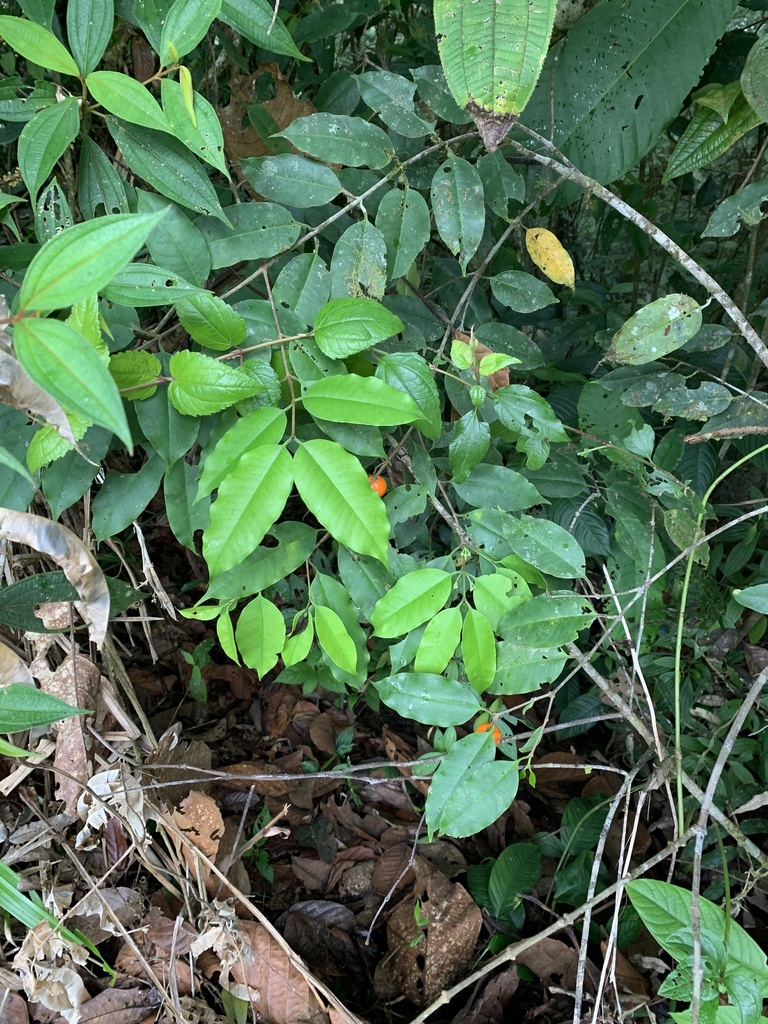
249 501
656 330
459 207
335 488
202 385
346 326
71 555
292 179
359 262
337 138
545 545
754 78
546 621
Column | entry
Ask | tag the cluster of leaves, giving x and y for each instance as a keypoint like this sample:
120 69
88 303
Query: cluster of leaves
256 306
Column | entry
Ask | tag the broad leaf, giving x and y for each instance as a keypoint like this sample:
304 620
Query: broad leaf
211 322
267 565
336 138
202 385
89 28
292 179
483 796
37 44
429 699
258 231
184 26
414 599
656 330
345 326
43 141
545 545
260 635
203 135
546 621
439 641
255 19
409 373
403 220
365 400
359 262
257 428
126 98
132 371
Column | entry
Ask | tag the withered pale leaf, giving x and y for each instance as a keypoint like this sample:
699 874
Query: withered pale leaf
75 681
18 390
12 668
74 558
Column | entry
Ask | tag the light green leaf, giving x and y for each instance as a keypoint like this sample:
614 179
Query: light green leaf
339 139
258 231
334 487
249 502
754 598
525 669
131 371
89 28
24 707
144 284
459 207
546 621
655 330
37 44
478 649
439 642
255 19
292 179
267 565
483 796
429 699
403 220
185 24
744 207
260 635
414 599
167 165
202 385
332 637
352 399
6 459
359 262
82 259
257 428
345 326
43 141
408 372
298 644
63 363
202 135
126 98
211 322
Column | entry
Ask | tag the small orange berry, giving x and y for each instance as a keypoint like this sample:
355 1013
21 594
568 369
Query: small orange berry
486 726
378 484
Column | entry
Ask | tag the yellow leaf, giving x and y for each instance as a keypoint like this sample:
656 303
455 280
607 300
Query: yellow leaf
550 257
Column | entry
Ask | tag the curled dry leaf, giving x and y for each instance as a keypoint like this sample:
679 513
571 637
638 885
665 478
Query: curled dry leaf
12 668
73 557
45 966
115 791
75 681
121 1006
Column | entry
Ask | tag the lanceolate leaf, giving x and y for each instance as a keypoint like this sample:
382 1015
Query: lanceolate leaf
414 599
43 141
620 75
334 640
202 135
707 136
63 363
82 259
255 19
260 635
334 487
126 98
409 373
89 27
250 500
261 427
184 26
492 52
458 206
37 44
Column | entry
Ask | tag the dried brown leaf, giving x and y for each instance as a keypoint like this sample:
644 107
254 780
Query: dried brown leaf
628 978
553 961
120 1006
13 669
491 1005
13 1008
73 557
200 821
322 732
75 681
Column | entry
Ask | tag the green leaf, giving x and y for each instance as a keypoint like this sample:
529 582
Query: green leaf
23 707
260 635
410 373
37 44
131 370
755 598
332 637
185 25
497 486
202 135
515 873
63 363
429 699
359 262
211 322
298 644
43 141
98 183
304 285
545 545
346 326
546 621
81 260
175 244
267 565
478 649
469 445
89 28
525 669
459 207
483 796
334 487
745 207
492 56
292 179
414 599
167 165
754 78
352 399
500 182
656 330
707 137
124 496
498 593
6 459
125 97
339 139
620 77
256 20
144 284
521 292
185 517
202 385
403 220
439 642
250 499
257 428
259 230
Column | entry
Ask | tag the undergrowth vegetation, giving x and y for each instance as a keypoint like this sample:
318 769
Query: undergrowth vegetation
442 429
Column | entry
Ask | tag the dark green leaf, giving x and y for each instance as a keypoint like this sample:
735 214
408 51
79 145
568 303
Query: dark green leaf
89 27
336 138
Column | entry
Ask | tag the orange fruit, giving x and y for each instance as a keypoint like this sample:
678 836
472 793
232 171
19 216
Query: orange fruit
486 727
378 484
